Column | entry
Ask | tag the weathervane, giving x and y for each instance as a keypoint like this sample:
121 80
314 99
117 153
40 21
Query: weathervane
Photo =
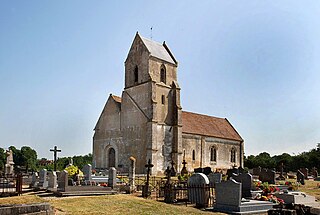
151 32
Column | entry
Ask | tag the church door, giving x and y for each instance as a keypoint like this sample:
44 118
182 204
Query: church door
112 158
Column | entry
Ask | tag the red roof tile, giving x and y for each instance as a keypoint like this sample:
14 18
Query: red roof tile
194 123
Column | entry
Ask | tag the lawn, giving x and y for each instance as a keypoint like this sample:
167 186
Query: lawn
311 188
108 204
118 204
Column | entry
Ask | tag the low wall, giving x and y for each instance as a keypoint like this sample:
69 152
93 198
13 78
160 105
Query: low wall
37 208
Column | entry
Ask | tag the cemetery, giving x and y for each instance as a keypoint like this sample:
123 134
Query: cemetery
236 191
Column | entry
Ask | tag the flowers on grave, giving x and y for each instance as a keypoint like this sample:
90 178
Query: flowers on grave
292 185
73 170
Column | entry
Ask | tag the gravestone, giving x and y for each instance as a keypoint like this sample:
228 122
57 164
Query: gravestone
132 174
43 181
256 171
197 193
112 180
300 177
214 178
207 170
9 163
246 184
314 172
296 197
228 200
198 170
232 171
267 175
228 193
305 171
87 171
34 181
63 180
52 185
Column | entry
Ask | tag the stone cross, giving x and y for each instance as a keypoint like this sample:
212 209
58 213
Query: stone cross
55 150
148 166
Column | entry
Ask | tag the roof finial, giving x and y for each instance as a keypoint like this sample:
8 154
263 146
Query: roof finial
151 32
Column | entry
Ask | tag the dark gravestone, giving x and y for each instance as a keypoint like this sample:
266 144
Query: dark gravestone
314 172
256 171
228 195
198 170
246 184
207 170
300 177
305 171
214 178
267 175
231 172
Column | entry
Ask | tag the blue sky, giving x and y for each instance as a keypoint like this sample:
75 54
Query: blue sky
253 62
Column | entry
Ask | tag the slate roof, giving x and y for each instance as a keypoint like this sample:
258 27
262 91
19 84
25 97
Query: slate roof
159 50
193 123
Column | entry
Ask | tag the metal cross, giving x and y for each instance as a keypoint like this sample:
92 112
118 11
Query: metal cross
55 150
148 166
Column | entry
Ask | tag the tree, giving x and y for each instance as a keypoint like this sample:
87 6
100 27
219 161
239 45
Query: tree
29 158
2 159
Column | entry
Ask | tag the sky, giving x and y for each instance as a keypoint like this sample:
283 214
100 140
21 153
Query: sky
255 63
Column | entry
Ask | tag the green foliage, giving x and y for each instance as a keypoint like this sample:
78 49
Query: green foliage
2 159
291 163
28 157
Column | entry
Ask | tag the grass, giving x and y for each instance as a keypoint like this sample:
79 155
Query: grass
118 204
311 188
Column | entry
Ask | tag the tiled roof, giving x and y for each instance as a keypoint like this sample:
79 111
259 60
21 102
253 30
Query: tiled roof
158 50
194 123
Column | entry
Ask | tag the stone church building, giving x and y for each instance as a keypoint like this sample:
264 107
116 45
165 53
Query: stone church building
147 121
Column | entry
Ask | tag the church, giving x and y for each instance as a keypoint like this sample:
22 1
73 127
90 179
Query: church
147 121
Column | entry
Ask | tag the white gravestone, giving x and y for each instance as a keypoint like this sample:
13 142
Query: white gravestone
52 185
198 191
43 182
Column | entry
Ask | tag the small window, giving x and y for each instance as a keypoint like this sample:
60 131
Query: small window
136 73
163 99
213 154
193 155
163 74
233 155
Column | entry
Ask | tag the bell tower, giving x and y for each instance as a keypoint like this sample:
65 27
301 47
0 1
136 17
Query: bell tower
151 99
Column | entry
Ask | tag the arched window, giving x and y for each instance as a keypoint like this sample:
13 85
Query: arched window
193 155
163 74
136 74
233 155
112 158
213 154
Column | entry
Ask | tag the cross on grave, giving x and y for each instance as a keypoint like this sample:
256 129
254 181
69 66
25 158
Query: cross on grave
168 174
173 171
55 150
148 166
184 170
281 177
